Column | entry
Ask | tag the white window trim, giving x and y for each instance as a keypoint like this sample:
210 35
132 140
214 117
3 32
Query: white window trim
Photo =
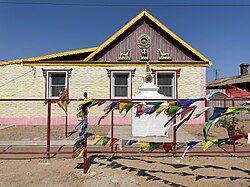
48 73
113 82
174 81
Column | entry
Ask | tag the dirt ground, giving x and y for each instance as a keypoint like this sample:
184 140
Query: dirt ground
120 170
127 171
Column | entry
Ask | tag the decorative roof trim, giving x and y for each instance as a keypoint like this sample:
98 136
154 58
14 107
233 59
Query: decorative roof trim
117 64
48 56
158 23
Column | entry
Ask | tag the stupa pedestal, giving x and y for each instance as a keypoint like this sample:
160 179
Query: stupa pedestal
148 125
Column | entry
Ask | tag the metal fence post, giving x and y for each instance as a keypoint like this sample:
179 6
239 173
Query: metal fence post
85 153
234 147
48 127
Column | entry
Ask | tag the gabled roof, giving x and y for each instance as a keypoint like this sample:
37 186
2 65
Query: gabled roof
159 24
48 56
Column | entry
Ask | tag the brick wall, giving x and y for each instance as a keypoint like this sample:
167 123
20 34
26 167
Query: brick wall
17 81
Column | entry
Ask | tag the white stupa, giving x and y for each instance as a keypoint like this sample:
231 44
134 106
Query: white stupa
148 125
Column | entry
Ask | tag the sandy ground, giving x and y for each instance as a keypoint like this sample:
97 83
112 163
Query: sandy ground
121 170
127 171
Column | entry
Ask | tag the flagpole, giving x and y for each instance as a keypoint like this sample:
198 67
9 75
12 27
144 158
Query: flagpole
112 129
234 147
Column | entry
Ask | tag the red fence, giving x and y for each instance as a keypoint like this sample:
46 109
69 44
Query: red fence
129 150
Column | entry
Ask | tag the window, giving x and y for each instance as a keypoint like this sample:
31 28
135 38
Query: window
120 84
166 81
56 80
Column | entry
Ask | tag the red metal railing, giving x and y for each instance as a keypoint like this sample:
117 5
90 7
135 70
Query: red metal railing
174 152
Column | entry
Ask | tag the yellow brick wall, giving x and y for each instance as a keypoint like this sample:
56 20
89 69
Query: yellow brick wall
17 81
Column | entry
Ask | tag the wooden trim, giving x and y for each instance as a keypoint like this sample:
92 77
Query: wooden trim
132 72
159 24
45 74
125 70
118 64
48 56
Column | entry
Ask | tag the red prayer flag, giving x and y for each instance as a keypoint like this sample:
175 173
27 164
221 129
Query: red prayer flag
239 136
101 102
233 92
167 146
113 141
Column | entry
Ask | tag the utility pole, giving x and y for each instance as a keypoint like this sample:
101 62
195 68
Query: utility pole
216 74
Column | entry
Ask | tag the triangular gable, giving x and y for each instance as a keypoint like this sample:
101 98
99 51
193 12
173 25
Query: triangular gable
159 24
49 56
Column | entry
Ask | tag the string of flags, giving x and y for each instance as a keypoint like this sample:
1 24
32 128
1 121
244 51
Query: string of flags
178 113
150 146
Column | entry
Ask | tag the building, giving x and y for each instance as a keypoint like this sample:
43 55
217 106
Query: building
114 69
241 81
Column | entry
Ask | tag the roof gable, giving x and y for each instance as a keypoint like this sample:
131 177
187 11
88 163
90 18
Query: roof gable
145 15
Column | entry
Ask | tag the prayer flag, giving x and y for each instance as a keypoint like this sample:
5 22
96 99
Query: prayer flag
122 106
101 102
113 141
79 153
83 127
207 127
131 142
161 108
208 144
128 107
217 112
154 145
85 103
248 140
64 95
239 136
200 110
94 102
180 145
144 146
154 108
172 110
190 145
97 139
186 102
167 146
186 118
105 140
123 143
108 108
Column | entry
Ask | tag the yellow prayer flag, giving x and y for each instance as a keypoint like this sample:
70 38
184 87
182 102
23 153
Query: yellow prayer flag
80 154
97 139
163 107
122 106
144 146
208 144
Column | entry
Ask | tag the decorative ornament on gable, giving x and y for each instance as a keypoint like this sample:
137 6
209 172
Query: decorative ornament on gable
124 56
164 56
148 78
144 42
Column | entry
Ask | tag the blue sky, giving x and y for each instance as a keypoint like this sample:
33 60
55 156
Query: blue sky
220 33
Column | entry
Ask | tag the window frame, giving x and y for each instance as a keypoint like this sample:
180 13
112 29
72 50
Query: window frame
47 74
174 84
110 73
129 89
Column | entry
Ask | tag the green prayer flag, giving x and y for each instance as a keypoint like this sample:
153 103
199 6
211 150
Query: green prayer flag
154 145
128 107
172 110
105 140
94 102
